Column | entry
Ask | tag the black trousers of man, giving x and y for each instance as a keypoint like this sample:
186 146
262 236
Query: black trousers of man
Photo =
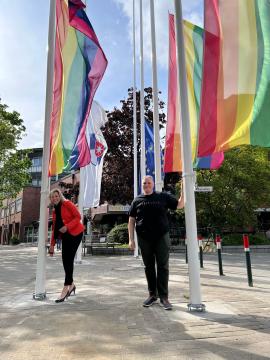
155 255
70 246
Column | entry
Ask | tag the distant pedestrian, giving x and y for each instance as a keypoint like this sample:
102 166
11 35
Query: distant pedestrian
58 243
67 226
148 213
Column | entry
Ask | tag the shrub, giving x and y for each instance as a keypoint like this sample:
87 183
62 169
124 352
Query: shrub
15 240
119 234
237 239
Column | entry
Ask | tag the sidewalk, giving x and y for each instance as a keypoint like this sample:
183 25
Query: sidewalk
105 320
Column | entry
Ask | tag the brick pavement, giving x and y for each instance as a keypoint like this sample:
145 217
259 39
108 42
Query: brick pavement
105 320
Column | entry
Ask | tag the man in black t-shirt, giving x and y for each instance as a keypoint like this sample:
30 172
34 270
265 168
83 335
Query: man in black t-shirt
148 213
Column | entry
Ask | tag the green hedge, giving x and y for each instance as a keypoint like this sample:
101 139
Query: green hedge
237 239
15 240
119 234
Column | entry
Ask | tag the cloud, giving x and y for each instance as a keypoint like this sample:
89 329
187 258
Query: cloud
23 38
192 10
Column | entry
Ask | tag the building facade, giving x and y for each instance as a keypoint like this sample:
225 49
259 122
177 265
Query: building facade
19 217
22 213
19 213
35 170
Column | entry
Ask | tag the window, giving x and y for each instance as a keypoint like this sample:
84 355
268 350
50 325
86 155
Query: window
12 208
35 182
18 205
35 169
37 161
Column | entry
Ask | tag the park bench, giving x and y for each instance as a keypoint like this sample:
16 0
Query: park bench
93 243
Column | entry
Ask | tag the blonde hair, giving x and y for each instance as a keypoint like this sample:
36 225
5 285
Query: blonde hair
59 192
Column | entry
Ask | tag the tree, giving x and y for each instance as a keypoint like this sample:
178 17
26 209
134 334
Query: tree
117 181
14 164
239 187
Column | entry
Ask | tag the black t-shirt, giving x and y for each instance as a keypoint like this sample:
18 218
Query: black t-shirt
150 213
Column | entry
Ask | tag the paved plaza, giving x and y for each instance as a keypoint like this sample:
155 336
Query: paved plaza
105 320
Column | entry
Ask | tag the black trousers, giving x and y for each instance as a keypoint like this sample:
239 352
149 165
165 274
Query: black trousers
70 245
155 255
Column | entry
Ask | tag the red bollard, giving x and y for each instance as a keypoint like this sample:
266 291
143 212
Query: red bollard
218 245
248 262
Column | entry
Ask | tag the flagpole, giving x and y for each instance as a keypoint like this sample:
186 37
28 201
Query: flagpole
188 175
142 167
78 256
40 291
135 162
158 180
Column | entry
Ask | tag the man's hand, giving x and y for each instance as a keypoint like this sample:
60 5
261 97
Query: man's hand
131 228
131 244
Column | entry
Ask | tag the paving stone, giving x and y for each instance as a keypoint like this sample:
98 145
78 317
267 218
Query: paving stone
106 320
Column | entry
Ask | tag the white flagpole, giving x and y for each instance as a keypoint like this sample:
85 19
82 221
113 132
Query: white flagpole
78 256
142 167
158 180
135 162
190 210
40 291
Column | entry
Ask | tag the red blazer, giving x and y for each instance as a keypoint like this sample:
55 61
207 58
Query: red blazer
71 219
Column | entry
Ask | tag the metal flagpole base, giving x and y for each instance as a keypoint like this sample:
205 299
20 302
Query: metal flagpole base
196 307
39 297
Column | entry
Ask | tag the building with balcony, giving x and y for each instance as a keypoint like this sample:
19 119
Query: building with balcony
19 217
36 167
21 213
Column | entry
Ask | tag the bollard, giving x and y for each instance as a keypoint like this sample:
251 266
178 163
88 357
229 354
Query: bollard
201 251
248 262
218 245
186 250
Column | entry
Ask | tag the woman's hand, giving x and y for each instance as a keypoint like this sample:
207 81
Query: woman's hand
51 250
63 229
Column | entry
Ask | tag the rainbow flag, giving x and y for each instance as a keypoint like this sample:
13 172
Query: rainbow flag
78 69
193 36
235 106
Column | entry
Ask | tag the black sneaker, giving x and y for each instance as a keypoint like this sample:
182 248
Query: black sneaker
166 304
150 301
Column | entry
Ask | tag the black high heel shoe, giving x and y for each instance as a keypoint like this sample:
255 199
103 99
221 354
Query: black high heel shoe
63 298
72 291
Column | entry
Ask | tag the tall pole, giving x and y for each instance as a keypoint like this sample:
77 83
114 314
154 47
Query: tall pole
158 180
78 256
142 167
40 291
135 162
190 210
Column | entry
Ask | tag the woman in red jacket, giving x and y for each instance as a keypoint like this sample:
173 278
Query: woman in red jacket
66 225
